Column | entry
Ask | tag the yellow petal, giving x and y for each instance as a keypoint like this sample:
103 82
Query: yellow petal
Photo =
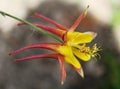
83 56
66 51
74 38
73 61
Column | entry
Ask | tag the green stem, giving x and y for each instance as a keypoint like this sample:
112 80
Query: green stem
30 24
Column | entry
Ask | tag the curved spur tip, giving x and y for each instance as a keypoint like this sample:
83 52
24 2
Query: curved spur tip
9 53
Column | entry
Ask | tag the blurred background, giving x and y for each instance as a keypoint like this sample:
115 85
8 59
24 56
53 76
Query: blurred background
103 17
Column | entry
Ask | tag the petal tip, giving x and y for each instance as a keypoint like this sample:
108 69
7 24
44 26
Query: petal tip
20 24
94 34
62 82
82 73
85 11
9 53
15 60
35 14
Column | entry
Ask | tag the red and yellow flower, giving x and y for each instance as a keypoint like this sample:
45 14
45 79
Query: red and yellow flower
73 45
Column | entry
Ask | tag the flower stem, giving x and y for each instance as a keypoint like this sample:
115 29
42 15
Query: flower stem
31 25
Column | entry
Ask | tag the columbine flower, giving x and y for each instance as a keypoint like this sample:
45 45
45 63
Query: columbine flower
73 44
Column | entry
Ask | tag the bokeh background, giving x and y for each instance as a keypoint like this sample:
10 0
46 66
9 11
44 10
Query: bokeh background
102 73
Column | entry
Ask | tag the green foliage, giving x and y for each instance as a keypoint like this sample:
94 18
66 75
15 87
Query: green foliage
111 79
116 18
